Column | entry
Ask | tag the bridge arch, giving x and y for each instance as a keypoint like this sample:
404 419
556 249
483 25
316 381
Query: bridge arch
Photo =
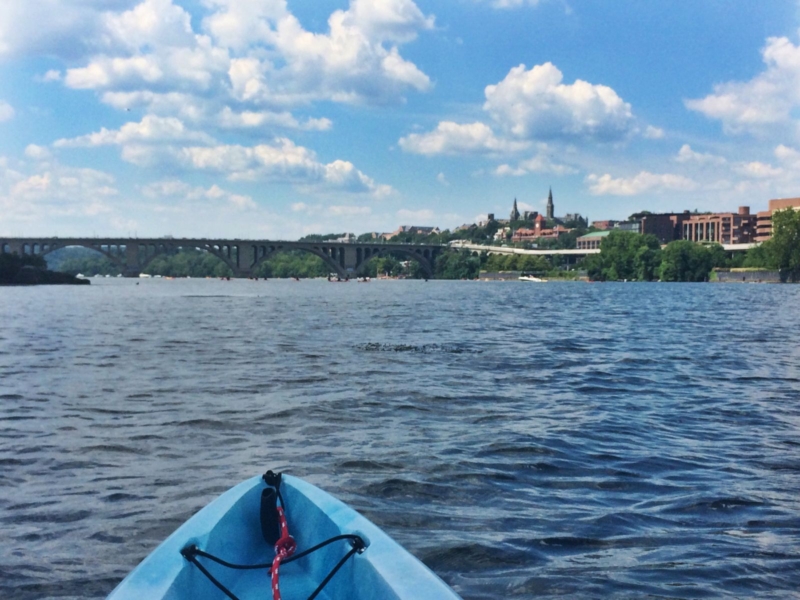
117 256
424 256
223 253
148 252
265 251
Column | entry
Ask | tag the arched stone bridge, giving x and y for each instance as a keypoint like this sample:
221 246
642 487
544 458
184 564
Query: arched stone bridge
132 255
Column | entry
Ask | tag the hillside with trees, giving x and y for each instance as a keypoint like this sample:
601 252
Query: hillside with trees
32 270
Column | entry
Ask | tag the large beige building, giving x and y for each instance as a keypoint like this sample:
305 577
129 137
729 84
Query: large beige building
764 218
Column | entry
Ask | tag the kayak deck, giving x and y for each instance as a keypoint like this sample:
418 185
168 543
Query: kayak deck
230 529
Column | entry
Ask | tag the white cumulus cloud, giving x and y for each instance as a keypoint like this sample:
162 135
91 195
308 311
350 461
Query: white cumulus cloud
66 28
6 111
455 138
195 67
537 104
541 163
766 101
687 155
787 155
152 22
511 3
196 195
281 161
37 152
151 129
51 190
653 133
257 119
758 170
356 61
606 185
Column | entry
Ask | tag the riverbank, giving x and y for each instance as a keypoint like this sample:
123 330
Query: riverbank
745 275
32 276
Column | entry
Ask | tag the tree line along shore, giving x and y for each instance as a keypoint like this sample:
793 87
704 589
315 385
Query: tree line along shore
623 256
32 270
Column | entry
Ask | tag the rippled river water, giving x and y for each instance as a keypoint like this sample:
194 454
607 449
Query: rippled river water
524 440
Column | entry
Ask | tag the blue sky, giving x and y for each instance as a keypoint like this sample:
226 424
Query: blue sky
278 118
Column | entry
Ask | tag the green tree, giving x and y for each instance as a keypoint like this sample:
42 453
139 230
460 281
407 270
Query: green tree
647 262
457 265
315 237
760 257
11 264
593 264
387 265
188 263
784 247
719 259
536 265
292 263
683 260
625 255
569 240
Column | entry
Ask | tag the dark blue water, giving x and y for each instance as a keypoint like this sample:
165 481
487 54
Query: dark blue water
524 440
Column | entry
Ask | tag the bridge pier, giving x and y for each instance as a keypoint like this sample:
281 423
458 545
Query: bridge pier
350 260
131 268
245 259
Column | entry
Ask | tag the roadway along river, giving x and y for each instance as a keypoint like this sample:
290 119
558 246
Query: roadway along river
524 440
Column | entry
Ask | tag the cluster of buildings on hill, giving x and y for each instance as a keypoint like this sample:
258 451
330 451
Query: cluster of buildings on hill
410 229
741 227
538 226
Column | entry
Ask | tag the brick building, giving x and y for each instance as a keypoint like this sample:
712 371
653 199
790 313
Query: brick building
538 233
592 241
722 228
764 218
667 227
604 225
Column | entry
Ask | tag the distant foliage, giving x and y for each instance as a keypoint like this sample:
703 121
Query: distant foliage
783 250
634 257
315 237
188 263
197 263
683 260
457 265
293 263
30 270
77 259
625 255
11 264
535 265
388 266
393 265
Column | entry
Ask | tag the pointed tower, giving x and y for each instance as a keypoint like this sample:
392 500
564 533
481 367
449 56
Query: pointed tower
515 212
549 204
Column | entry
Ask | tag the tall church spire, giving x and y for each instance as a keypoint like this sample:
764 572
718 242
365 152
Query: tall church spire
550 208
515 212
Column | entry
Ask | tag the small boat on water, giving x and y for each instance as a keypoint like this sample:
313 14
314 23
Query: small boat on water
277 536
532 278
